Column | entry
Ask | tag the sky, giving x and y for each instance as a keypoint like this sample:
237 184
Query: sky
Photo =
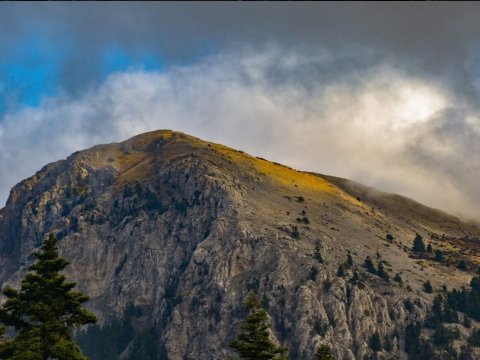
384 94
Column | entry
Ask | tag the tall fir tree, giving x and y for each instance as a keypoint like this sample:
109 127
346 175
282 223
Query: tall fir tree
44 311
253 342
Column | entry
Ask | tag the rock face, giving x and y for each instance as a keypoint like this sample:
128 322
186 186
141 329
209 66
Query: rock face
181 229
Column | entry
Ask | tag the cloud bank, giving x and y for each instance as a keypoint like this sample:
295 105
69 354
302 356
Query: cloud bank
377 124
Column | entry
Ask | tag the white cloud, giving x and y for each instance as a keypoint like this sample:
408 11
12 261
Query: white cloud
380 126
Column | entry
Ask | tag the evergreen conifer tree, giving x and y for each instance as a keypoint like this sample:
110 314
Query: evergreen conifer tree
375 342
381 272
341 271
44 311
368 264
418 244
427 287
324 353
439 255
253 342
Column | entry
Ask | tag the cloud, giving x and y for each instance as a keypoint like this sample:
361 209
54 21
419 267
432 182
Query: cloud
380 125
437 40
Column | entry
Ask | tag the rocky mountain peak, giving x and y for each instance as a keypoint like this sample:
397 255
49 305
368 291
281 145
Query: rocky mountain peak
179 229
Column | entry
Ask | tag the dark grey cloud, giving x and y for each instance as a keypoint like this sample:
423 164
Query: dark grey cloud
383 93
429 39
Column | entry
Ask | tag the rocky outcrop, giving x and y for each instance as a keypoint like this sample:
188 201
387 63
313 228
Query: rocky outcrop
181 229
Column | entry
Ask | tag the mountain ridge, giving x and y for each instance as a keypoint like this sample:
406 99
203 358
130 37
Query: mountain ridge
181 228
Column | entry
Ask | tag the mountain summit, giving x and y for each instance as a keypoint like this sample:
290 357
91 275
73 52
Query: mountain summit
167 233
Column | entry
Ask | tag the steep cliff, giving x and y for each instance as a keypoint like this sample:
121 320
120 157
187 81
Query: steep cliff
179 229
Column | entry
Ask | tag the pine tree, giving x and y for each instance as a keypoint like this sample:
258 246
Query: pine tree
368 264
439 255
253 342
418 244
341 271
44 311
324 353
381 272
398 278
462 265
375 342
427 287
349 262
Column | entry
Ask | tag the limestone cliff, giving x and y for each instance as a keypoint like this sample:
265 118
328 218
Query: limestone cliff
181 228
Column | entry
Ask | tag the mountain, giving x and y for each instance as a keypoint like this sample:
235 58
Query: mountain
167 233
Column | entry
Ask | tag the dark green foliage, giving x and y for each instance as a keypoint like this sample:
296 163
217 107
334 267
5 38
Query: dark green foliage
416 347
398 279
368 264
467 323
144 346
439 256
412 338
320 328
313 273
317 255
389 237
381 272
387 343
44 311
474 339
303 220
355 278
444 336
429 248
324 353
341 271
418 245
462 265
111 340
409 305
427 287
327 284
475 284
375 343
349 262
466 301
253 342
295 233
441 312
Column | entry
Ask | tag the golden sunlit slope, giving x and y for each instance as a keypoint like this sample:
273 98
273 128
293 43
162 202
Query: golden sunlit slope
348 216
